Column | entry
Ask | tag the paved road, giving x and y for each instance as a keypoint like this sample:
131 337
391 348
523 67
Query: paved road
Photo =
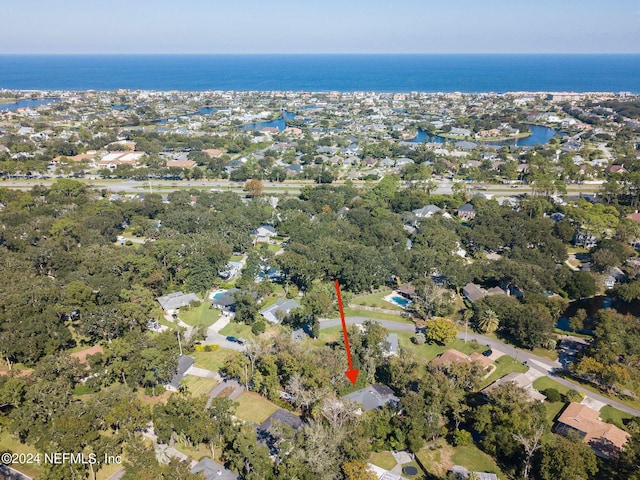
542 365
164 186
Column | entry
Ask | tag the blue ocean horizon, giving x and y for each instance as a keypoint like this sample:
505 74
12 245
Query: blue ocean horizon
465 73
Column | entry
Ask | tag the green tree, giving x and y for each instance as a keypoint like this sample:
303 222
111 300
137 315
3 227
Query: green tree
440 330
488 322
567 459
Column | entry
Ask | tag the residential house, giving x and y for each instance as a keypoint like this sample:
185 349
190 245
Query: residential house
181 163
427 211
184 364
474 292
279 309
614 277
634 217
584 240
453 356
461 473
283 417
231 270
519 379
466 212
605 439
460 132
264 234
173 301
391 346
373 397
407 290
226 301
212 470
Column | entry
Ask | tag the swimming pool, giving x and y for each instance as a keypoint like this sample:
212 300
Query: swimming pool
397 300
217 294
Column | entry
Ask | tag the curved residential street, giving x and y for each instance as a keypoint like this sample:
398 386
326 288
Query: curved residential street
534 362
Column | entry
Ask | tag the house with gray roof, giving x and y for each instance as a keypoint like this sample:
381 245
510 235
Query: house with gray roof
184 364
373 397
279 309
427 211
461 473
283 417
392 347
227 301
175 300
212 470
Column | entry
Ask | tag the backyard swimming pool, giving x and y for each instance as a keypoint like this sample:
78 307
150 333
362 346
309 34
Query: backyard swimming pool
398 300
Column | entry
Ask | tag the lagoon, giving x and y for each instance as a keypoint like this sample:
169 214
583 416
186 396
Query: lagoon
539 136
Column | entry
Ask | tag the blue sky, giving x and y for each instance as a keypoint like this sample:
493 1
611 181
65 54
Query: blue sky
320 26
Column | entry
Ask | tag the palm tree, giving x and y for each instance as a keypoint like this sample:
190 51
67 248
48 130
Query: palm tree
488 322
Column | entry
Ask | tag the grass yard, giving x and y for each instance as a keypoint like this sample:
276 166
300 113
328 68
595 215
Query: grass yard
353 312
429 351
613 415
270 247
238 330
8 443
329 335
543 383
504 365
203 316
107 470
383 460
375 300
212 360
475 460
254 408
198 385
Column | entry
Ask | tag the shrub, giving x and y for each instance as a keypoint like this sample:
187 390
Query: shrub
462 438
574 396
258 327
207 348
553 395
419 339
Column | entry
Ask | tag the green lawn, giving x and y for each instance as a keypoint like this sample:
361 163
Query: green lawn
504 365
254 408
8 443
203 316
375 300
429 351
475 460
383 460
543 383
588 386
613 415
353 312
439 459
199 386
212 360
238 330
270 247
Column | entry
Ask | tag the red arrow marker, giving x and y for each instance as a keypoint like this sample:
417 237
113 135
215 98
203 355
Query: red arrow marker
352 373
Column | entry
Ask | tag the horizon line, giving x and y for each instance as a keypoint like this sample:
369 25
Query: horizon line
303 53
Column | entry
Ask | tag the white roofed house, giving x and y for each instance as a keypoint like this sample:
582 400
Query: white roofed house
264 234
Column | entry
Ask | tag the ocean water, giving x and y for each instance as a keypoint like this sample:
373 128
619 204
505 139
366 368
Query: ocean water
381 73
